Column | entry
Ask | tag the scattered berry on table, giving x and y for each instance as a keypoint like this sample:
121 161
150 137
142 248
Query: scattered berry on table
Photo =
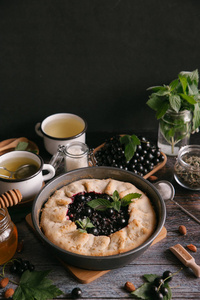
76 293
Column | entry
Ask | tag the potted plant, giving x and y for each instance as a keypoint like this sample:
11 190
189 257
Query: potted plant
177 107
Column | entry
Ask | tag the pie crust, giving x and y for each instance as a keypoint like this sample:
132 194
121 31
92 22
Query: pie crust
64 233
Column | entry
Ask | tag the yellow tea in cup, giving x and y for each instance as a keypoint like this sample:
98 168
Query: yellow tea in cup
14 164
64 127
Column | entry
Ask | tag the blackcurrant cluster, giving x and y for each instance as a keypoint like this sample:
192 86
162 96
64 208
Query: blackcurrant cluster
105 222
19 266
145 158
158 289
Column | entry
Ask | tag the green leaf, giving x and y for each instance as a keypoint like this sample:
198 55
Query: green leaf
84 224
150 277
157 88
162 110
115 196
35 286
155 102
100 204
174 84
184 82
126 200
21 146
189 99
131 143
196 116
192 77
144 291
116 205
175 102
164 92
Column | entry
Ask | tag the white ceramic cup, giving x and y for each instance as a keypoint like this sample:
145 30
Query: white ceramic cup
51 142
29 186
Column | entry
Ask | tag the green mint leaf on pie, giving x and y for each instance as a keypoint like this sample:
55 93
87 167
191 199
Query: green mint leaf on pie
126 200
116 205
131 142
21 146
34 285
84 224
115 196
100 204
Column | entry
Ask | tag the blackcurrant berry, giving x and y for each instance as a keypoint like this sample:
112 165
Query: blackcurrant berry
164 290
76 293
88 211
13 268
167 274
159 296
158 281
31 267
154 290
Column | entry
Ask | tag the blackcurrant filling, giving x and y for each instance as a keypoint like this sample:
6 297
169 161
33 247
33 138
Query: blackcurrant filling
105 222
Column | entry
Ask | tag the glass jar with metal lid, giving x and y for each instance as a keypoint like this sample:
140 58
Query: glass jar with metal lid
187 167
75 155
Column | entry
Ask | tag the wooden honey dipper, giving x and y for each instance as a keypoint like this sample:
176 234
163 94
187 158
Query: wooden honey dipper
10 198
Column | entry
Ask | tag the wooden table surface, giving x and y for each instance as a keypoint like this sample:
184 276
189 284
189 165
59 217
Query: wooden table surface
155 260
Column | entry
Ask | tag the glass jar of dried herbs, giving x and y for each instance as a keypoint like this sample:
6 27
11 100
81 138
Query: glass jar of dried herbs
187 167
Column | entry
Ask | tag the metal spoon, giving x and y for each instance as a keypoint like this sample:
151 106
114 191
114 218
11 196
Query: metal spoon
167 191
22 172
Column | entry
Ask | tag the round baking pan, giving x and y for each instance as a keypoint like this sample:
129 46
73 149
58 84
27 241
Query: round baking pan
99 262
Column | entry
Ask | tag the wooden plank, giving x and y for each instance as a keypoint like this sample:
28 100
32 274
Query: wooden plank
87 276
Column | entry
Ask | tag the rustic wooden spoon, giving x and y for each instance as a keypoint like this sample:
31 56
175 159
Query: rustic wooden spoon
13 144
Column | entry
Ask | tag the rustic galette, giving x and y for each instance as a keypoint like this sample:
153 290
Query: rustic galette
98 217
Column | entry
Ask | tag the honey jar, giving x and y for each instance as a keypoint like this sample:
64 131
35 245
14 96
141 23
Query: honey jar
8 236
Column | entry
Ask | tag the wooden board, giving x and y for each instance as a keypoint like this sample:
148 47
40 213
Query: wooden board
31 146
87 276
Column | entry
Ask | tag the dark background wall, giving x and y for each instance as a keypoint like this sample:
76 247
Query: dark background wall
92 58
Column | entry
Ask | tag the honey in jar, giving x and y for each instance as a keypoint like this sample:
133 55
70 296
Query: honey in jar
8 236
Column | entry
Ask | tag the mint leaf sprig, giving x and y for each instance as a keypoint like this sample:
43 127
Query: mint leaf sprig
181 94
103 204
84 224
21 146
131 142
